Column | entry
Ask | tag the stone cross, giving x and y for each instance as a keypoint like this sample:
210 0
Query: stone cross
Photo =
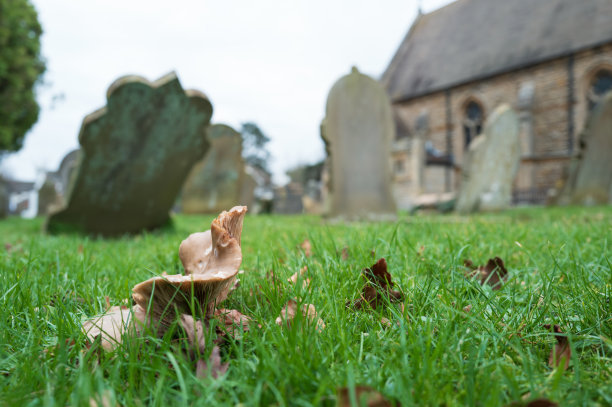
136 154
358 130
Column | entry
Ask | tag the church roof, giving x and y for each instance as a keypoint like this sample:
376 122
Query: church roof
473 39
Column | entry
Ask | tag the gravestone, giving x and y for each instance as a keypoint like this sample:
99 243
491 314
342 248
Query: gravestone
136 153
590 177
66 172
358 130
4 199
490 164
247 190
215 182
52 194
49 198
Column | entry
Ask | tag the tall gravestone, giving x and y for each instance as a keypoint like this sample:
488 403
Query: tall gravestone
4 199
215 182
491 164
358 129
590 178
136 153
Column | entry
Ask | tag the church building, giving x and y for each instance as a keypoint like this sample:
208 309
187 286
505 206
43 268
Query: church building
551 60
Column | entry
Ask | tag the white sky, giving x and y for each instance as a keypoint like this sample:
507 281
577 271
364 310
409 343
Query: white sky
267 61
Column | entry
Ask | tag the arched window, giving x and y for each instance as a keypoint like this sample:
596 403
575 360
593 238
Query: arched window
599 86
472 123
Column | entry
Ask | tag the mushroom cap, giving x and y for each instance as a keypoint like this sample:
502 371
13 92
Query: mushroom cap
111 326
167 297
195 252
211 266
204 251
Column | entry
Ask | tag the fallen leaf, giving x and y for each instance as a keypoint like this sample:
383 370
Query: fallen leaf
345 253
377 288
307 248
213 367
289 312
561 352
232 322
493 273
300 275
364 396
421 251
533 403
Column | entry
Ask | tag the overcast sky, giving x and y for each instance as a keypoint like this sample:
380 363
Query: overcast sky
268 61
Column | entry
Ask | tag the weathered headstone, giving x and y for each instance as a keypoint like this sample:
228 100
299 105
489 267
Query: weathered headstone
288 199
4 207
590 177
67 171
491 164
54 190
136 153
215 182
247 190
49 198
358 130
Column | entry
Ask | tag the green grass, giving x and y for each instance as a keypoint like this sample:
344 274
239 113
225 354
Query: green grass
560 273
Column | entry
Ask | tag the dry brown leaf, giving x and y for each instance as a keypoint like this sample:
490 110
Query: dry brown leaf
533 403
561 352
493 273
386 322
377 287
289 312
421 251
232 322
300 275
307 248
345 253
364 396
213 367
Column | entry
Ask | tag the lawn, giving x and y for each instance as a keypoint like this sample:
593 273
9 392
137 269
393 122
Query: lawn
435 352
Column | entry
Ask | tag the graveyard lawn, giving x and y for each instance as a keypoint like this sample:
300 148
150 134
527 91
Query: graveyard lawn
448 341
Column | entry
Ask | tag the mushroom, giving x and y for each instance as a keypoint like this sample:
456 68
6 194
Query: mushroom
112 326
211 260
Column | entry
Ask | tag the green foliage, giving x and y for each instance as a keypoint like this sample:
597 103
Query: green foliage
435 355
254 149
21 67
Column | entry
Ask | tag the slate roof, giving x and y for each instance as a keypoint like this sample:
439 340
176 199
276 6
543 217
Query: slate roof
473 39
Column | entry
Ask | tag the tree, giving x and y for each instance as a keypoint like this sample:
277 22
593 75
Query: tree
21 68
254 149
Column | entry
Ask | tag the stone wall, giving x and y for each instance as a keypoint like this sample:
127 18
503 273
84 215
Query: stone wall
549 128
